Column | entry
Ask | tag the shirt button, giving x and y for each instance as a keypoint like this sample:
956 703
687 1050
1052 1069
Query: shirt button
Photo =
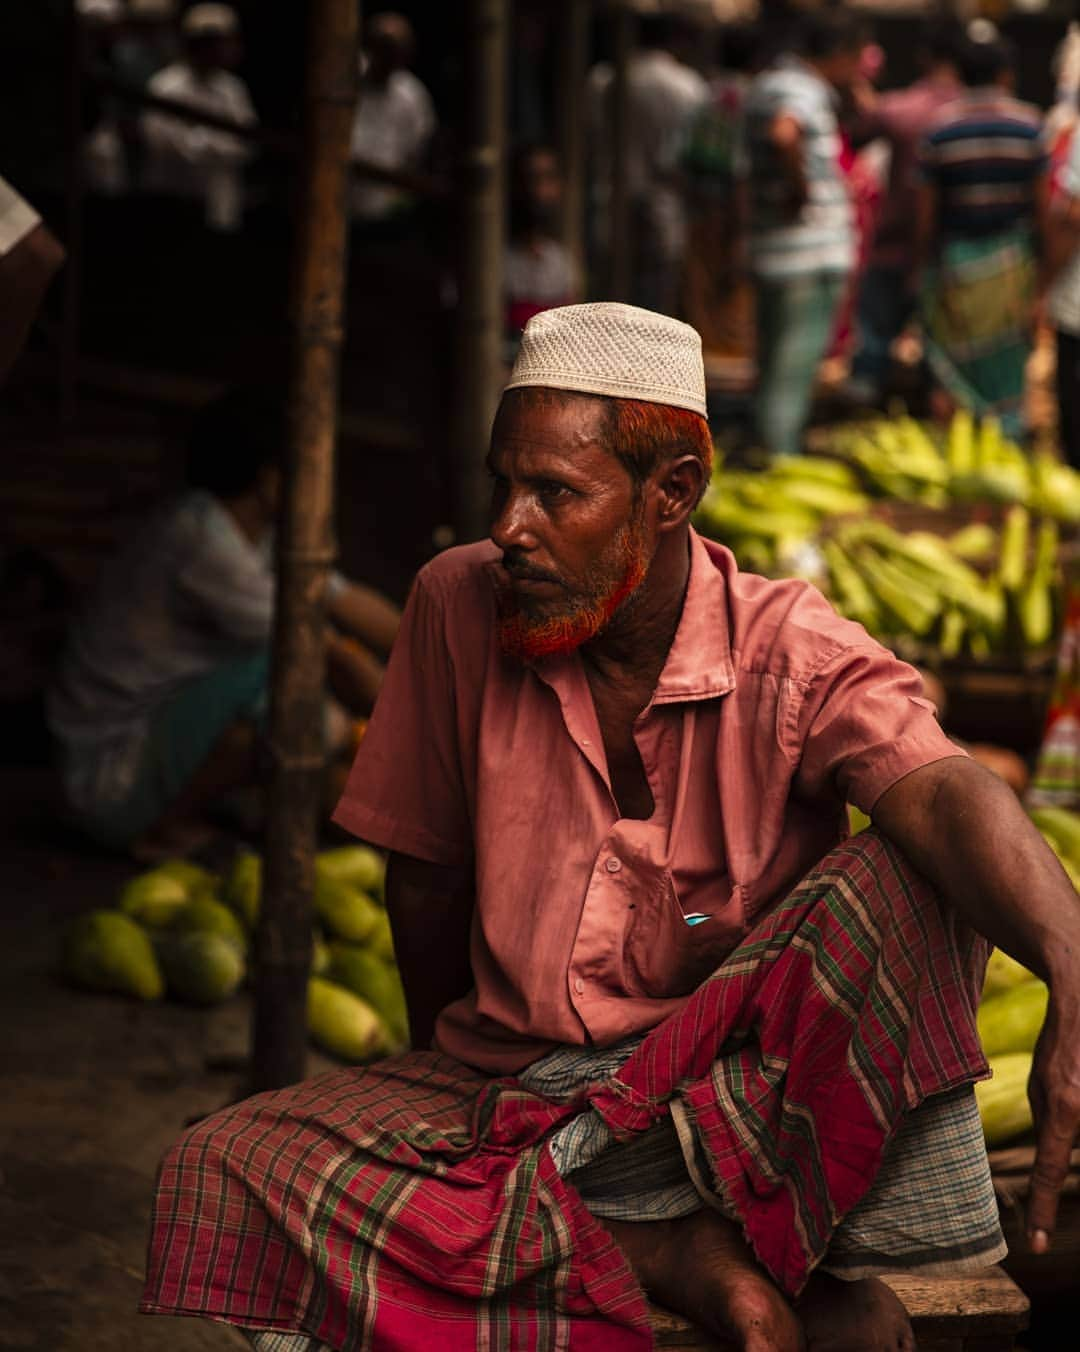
613 865
579 985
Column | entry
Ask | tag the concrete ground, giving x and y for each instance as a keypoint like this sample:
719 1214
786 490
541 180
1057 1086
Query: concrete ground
94 1090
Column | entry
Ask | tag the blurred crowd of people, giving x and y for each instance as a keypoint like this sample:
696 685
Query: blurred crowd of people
788 208
190 60
781 203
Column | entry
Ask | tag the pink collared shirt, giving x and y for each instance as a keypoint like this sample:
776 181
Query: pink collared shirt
771 711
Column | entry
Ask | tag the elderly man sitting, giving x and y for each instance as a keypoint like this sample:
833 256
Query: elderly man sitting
674 1030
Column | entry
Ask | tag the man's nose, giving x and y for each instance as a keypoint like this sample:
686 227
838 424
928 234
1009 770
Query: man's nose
511 522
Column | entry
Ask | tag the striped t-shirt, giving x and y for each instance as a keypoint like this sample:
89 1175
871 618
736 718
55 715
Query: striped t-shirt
983 154
821 237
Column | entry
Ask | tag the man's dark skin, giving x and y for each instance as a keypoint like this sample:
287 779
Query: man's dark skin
561 496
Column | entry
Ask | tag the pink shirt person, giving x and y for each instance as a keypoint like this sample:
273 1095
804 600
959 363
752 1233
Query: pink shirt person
770 713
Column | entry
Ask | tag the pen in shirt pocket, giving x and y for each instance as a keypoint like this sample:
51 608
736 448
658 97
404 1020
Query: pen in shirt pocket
695 917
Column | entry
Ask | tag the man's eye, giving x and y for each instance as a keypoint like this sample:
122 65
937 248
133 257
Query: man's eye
551 491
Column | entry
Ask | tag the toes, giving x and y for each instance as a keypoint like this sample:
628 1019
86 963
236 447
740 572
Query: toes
862 1316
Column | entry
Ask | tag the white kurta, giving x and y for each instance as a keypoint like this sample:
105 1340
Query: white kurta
184 159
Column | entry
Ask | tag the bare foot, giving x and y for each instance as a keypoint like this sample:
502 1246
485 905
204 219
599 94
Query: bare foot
701 1267
862 1316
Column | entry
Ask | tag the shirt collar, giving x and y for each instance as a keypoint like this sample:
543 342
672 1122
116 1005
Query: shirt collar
699 664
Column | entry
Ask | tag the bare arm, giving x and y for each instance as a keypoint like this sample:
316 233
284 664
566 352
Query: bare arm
364 614
354 674
965 830
786 138
430 908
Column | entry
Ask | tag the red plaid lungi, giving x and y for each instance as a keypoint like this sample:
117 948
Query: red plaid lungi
413 1203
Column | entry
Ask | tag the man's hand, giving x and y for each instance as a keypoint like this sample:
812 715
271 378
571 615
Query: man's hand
965 830
364 614
1054 1091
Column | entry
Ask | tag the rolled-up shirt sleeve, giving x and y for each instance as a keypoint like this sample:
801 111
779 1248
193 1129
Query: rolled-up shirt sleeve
863 725
406 792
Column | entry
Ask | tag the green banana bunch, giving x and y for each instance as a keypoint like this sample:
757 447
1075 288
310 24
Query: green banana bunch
899 457
1035 602
768 517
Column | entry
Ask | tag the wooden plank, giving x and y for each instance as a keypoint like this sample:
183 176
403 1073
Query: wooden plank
980 1312
1021 1159
978 1304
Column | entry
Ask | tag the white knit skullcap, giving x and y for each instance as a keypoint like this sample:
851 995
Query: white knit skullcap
613 349
210 21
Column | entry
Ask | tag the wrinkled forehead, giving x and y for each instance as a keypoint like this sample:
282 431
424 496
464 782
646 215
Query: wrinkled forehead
558 419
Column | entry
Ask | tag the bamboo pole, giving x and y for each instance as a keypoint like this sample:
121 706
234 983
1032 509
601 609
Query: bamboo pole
623 22
74 201
283 939
481 245
570 111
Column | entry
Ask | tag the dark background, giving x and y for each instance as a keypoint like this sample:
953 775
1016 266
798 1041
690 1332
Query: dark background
169 313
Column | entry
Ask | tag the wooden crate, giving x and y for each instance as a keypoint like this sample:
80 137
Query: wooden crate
988 703
982 1312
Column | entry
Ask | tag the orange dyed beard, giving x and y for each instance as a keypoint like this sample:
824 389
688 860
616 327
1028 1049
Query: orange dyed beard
547 633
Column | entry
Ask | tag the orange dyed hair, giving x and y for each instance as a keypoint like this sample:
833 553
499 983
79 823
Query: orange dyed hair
645 435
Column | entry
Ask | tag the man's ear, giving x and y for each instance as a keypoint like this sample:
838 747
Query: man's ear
680 485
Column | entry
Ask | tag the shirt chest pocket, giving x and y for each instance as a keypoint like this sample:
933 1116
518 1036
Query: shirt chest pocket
667 952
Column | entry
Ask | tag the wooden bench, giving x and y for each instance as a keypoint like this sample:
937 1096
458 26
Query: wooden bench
980 1312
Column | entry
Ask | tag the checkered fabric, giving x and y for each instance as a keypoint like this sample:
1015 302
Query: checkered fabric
416 1203
931 1209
